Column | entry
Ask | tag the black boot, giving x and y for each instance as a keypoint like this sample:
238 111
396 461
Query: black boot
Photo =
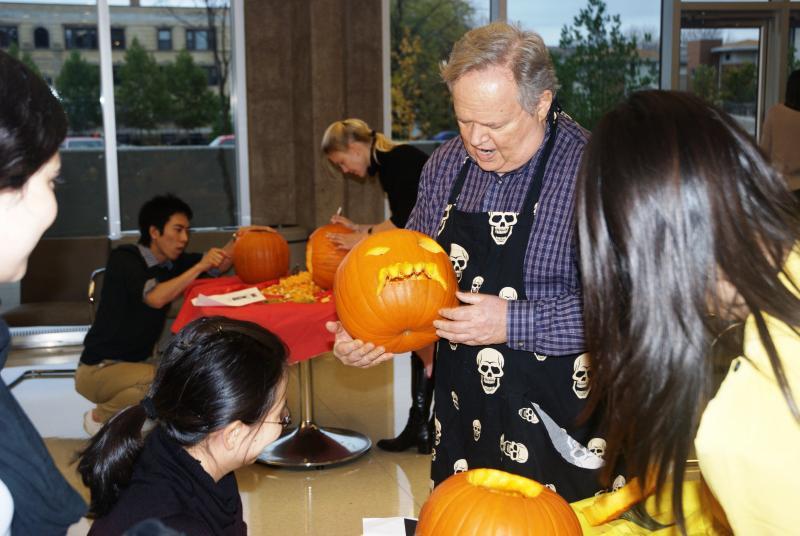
418 431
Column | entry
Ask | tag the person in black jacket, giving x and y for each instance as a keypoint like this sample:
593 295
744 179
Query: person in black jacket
354 148
140 282
32 126
217 400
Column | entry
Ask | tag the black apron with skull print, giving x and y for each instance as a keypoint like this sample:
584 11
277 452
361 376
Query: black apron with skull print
497 407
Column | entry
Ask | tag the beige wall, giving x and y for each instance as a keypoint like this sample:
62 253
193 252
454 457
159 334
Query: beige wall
309 63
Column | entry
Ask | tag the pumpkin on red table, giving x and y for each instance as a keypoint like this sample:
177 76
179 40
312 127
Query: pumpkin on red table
260 255
322 255
390 287
487 501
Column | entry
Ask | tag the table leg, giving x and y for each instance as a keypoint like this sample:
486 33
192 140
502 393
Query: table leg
310 445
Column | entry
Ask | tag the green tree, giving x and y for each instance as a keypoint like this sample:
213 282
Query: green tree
78 86
739 83
704 84
406 90
426 30
191 104
26 59
142 99
597 65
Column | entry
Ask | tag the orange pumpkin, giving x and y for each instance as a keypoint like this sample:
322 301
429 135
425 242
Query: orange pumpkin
390 287
487 501
260 256
322 255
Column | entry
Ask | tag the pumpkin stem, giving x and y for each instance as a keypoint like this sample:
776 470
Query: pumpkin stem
495 480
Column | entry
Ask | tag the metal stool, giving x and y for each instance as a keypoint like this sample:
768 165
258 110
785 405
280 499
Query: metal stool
310 445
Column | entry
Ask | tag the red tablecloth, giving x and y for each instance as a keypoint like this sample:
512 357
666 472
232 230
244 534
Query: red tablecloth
300 325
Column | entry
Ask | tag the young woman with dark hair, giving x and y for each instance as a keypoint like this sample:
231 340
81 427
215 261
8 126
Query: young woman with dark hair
681 221
32 125
218 398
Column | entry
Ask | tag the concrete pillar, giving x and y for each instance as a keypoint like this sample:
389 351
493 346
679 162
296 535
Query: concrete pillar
309 63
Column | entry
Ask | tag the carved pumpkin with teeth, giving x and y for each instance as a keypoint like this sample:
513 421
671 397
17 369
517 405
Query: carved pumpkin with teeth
390 287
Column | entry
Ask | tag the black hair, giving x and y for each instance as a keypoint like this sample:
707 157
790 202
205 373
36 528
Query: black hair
673 200
32 123
157 212
216 371
792 99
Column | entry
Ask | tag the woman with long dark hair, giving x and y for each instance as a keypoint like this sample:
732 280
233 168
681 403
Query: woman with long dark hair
218 398
682 223
32 126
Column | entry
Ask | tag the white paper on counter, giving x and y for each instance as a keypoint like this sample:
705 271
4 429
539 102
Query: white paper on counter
231 299
388 526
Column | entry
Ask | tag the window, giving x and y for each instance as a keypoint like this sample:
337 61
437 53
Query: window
164 37
118 38
419 38
199 39
80 37
213 76
8 35
41 38
591 60
168 109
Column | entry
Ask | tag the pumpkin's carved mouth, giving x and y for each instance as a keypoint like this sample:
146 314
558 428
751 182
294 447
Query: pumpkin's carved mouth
407 271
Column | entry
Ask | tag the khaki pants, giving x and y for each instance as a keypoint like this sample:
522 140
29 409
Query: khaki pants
113 385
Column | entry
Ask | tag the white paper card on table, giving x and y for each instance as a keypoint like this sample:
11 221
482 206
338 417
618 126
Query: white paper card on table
238 298
388 526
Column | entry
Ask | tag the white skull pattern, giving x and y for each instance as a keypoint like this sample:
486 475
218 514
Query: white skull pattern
581 376
539 357
437 437
502 226
444 219
454 396
508 293
476 429
529 415
490 367
476 284
551 486
597 446
618 483
460 466
433 454
516 451
453 345
459 257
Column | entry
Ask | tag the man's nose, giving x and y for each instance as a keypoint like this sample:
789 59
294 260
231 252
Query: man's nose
478 134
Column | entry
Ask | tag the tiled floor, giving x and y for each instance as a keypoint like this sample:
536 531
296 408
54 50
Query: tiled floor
329 501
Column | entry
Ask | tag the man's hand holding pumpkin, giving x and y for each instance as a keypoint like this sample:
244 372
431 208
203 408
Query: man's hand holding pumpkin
354 352
481 321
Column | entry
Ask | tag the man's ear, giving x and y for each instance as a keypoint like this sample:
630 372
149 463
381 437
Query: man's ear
543 106
154 232
232 435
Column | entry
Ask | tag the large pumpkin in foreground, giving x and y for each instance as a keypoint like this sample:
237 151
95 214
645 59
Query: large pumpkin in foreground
322 255
487 501
390 287
260 256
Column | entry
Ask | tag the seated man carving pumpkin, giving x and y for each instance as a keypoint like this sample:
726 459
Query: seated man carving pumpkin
140 282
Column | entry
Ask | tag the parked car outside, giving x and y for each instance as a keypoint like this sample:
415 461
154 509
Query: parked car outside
226 140
82 142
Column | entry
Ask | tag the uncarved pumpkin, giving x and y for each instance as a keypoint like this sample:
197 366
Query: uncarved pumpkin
260 256
487 501
322 255
390 287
